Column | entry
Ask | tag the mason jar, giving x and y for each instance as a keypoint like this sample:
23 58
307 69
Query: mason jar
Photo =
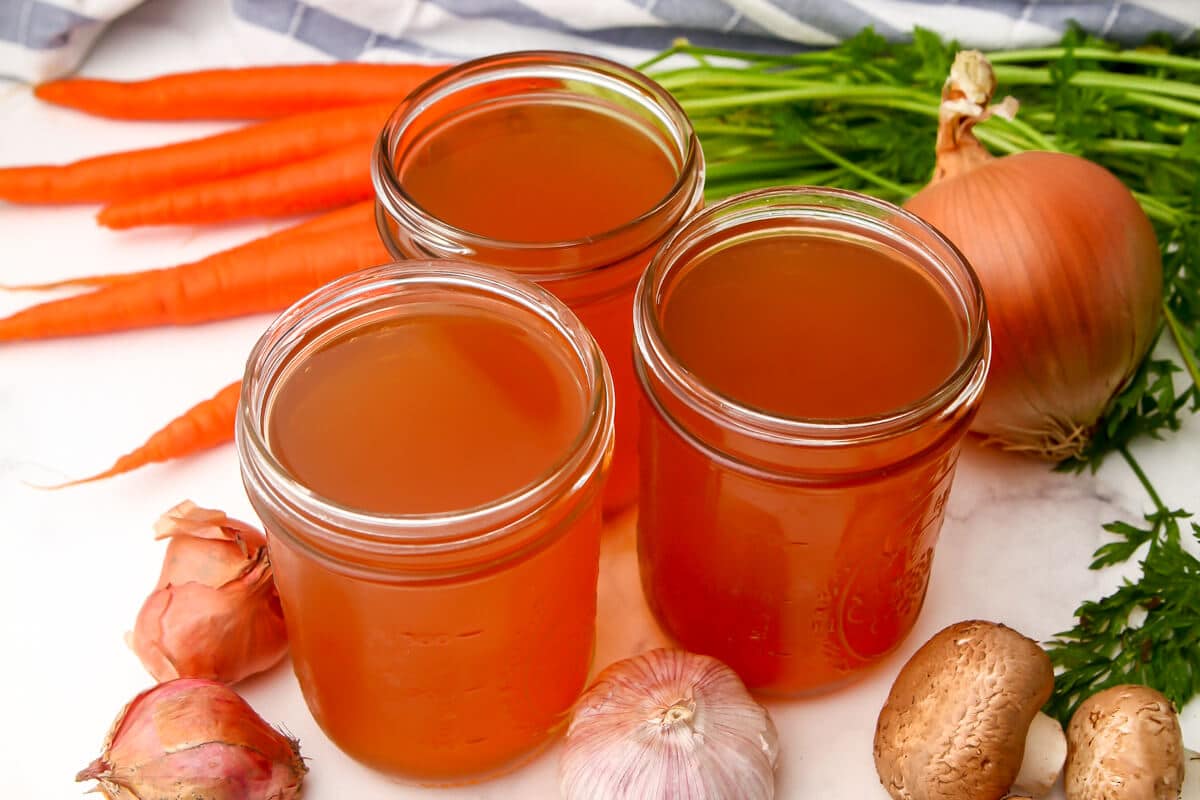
810 360
564 168
425 444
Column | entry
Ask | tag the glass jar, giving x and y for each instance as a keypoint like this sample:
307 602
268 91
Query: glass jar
797 550
593 273
439 647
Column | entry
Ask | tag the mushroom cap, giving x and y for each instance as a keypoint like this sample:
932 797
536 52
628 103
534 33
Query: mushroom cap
954 724
1125 743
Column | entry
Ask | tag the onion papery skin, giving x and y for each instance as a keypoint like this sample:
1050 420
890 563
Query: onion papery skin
1072 277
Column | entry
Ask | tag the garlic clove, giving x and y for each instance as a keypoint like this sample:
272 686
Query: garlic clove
669 723
215 612
195 738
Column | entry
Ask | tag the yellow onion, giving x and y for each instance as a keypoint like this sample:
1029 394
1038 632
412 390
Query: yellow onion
193 738
1071 273
215 612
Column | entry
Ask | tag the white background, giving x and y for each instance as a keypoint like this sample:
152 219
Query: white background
77 564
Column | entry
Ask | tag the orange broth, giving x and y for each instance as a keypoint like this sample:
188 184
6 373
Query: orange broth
543 172
437 411
797 580
427 413
812 327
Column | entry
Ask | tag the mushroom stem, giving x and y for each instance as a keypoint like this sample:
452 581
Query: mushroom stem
1191 776
1045 754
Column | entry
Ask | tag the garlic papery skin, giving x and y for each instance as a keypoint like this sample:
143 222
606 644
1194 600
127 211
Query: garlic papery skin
214 612
195 740
669 724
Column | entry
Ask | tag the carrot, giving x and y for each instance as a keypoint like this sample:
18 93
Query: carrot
128 174
334 179
265 277
359 213
240 93
204 425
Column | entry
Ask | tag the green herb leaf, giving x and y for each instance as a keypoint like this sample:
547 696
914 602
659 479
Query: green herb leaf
1110 645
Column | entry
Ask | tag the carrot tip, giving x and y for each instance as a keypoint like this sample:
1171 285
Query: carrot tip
45 487
114 221
53 487
49 91
50 286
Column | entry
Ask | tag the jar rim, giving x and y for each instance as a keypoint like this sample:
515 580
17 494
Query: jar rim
793 203
630 83
391 533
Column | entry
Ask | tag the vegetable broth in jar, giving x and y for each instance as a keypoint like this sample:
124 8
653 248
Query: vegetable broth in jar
810 361
426 446
566 169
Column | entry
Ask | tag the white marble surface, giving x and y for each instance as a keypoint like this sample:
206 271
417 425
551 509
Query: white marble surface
77 564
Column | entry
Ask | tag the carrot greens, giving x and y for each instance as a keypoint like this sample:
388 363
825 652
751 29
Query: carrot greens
1146 631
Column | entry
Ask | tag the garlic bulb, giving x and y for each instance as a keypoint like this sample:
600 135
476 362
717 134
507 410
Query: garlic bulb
215 612
669 724
191 738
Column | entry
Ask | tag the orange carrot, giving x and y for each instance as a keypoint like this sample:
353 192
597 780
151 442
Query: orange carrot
334 179
266 277
138 172
240 93
359 213
204 425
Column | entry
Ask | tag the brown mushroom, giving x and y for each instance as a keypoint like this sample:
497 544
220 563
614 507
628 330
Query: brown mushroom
956 721
1125 743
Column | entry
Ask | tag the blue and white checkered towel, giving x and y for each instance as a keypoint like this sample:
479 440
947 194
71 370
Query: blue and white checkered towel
45 38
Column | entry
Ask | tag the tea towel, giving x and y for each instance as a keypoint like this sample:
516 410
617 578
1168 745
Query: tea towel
454 29
40 39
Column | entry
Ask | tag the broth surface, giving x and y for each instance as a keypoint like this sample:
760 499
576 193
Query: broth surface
538 172
430 412
812 327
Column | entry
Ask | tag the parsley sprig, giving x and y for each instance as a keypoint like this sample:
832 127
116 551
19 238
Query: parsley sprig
1148 630
863 116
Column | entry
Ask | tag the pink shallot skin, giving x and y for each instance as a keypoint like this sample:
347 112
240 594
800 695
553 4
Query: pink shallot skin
215 611
193 738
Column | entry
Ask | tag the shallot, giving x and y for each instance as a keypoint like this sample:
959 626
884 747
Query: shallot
215 612
192 738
